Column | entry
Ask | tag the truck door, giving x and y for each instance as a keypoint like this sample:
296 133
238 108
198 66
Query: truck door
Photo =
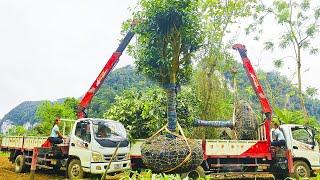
80 143
304 145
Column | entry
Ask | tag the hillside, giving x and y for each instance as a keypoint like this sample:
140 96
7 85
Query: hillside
118 80
23 114
277 87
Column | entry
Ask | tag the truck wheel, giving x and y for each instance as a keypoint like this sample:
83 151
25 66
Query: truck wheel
75 170
301 170
194 174
20 164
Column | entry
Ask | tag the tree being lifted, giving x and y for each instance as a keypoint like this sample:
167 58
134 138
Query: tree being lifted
168 32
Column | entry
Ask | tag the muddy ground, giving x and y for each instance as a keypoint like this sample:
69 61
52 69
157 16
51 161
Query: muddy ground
7 172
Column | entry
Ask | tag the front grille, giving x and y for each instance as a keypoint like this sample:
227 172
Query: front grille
118 157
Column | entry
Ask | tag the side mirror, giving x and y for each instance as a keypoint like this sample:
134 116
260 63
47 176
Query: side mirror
86 145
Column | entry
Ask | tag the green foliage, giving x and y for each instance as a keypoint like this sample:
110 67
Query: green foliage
296 117
48 111
7 154
311 92
299 20
147 174
211 89
269 45
118 81
292 117
17 131
168 32
217 17
144 112
278 63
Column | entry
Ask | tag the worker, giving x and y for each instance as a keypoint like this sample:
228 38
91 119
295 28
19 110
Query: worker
55 136
277 136
103 132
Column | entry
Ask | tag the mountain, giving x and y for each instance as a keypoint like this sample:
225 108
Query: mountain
279 90
23 114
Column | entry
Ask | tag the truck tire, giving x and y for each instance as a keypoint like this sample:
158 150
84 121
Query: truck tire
20 164
246 123
301 170
194 174
75 170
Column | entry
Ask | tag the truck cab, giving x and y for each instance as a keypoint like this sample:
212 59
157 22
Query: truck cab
304 148
92 144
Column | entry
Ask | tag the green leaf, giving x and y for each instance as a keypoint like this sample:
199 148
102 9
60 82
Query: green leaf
311 30
305 5
269 45
317 13
314 51
278 63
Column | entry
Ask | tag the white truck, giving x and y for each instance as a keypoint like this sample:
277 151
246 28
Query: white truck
85 151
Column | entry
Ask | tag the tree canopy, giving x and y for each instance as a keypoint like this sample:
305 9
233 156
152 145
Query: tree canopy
168 32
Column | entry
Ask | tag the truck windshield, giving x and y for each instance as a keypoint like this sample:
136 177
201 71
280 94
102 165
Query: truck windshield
110 134
109 129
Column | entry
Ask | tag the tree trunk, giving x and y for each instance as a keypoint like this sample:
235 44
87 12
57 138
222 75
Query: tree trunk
171 87
171 107
302 105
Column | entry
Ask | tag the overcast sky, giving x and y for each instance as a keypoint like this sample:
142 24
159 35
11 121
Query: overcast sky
55 49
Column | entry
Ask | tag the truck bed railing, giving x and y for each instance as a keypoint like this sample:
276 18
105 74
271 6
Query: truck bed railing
262 132
25 142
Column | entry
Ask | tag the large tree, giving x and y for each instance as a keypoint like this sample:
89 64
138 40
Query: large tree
218 18
168 32
299 22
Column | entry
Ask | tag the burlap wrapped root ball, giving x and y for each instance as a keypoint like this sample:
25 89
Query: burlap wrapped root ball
246 122
163 153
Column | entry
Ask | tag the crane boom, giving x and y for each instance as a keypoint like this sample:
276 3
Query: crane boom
265 105
266 108
113 60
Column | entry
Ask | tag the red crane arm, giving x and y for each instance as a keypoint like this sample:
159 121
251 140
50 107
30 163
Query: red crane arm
113 60
266 108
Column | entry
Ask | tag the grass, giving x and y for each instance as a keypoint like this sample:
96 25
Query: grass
4 153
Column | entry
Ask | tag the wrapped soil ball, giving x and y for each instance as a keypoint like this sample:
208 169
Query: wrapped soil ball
246 122
164 154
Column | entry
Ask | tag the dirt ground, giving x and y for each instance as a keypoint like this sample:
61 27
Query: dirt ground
7 172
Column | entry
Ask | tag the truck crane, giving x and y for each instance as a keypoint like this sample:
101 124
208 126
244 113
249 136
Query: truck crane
113 60
90 146
299 158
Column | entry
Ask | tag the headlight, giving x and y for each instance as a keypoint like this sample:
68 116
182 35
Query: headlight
97 157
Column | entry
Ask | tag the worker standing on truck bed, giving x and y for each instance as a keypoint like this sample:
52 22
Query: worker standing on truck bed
277 136
56 136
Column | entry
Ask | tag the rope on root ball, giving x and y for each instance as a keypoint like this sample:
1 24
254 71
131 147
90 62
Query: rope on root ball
163 153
